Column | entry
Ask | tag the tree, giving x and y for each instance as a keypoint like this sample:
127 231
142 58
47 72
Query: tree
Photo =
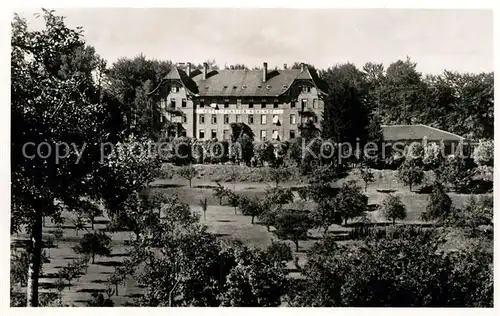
91 211
366 175
439 206
250 206
55 100
410 173
279 175
233 200
78 224
476 212
405 270
484 153
188 173
94 244
433 157
293 225
220 192
350 201
204 207
274 201
98 300
454 172
264 152
393 208
346 114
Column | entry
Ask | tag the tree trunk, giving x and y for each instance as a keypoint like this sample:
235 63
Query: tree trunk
116 288
190 183
34 266
410 186
205 215
366 186
43 219
296 245
92 223
393 222
235 210
345 222
253 218
268 228
93 258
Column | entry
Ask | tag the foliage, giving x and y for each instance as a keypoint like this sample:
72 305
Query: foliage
484 153
94 244
393 208
293 225
264 153
366 175
410 173
251 206
477 212
204 207
350 201
220 192
402 271
98 300
188 173
455 172
440 205
279 175
433 156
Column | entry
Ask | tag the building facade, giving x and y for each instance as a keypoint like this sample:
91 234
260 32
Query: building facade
273 103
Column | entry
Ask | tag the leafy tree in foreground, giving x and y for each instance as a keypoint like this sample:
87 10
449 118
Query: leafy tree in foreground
409 271
393 208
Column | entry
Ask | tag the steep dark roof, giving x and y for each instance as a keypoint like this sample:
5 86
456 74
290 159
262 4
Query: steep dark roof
417 132
236 82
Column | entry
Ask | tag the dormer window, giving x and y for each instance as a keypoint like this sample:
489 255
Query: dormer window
225 87
258 87
285 86
234 87
174 89
268 87
244 86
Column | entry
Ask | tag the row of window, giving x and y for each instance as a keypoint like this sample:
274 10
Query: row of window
250 119
226 135
263 104
305 89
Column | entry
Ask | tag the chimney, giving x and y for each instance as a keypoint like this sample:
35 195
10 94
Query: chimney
189 69
264 72
205 70
302 66
284 66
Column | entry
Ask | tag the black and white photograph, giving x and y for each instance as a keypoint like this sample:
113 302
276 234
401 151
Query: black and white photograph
251 157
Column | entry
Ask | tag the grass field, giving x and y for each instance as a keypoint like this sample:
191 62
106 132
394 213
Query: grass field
221 220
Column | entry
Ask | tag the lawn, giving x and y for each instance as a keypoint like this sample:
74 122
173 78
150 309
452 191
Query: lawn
221 219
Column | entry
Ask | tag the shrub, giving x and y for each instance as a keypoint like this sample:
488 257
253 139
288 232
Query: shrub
393 208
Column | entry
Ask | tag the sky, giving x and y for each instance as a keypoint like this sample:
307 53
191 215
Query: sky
460 40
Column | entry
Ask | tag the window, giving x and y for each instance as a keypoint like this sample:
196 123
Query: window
250 104
304 103
184 119
293 119
226 104
174 89
292 104
263 104
292 134
226 118
275 104
201 118
172 102
306 89
315 103
238 103
275 135
315 119
263 119
201 133
214 118
238 118
184 102
162 103
214 133
225 134
250 118
276 119
202 103
263 135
